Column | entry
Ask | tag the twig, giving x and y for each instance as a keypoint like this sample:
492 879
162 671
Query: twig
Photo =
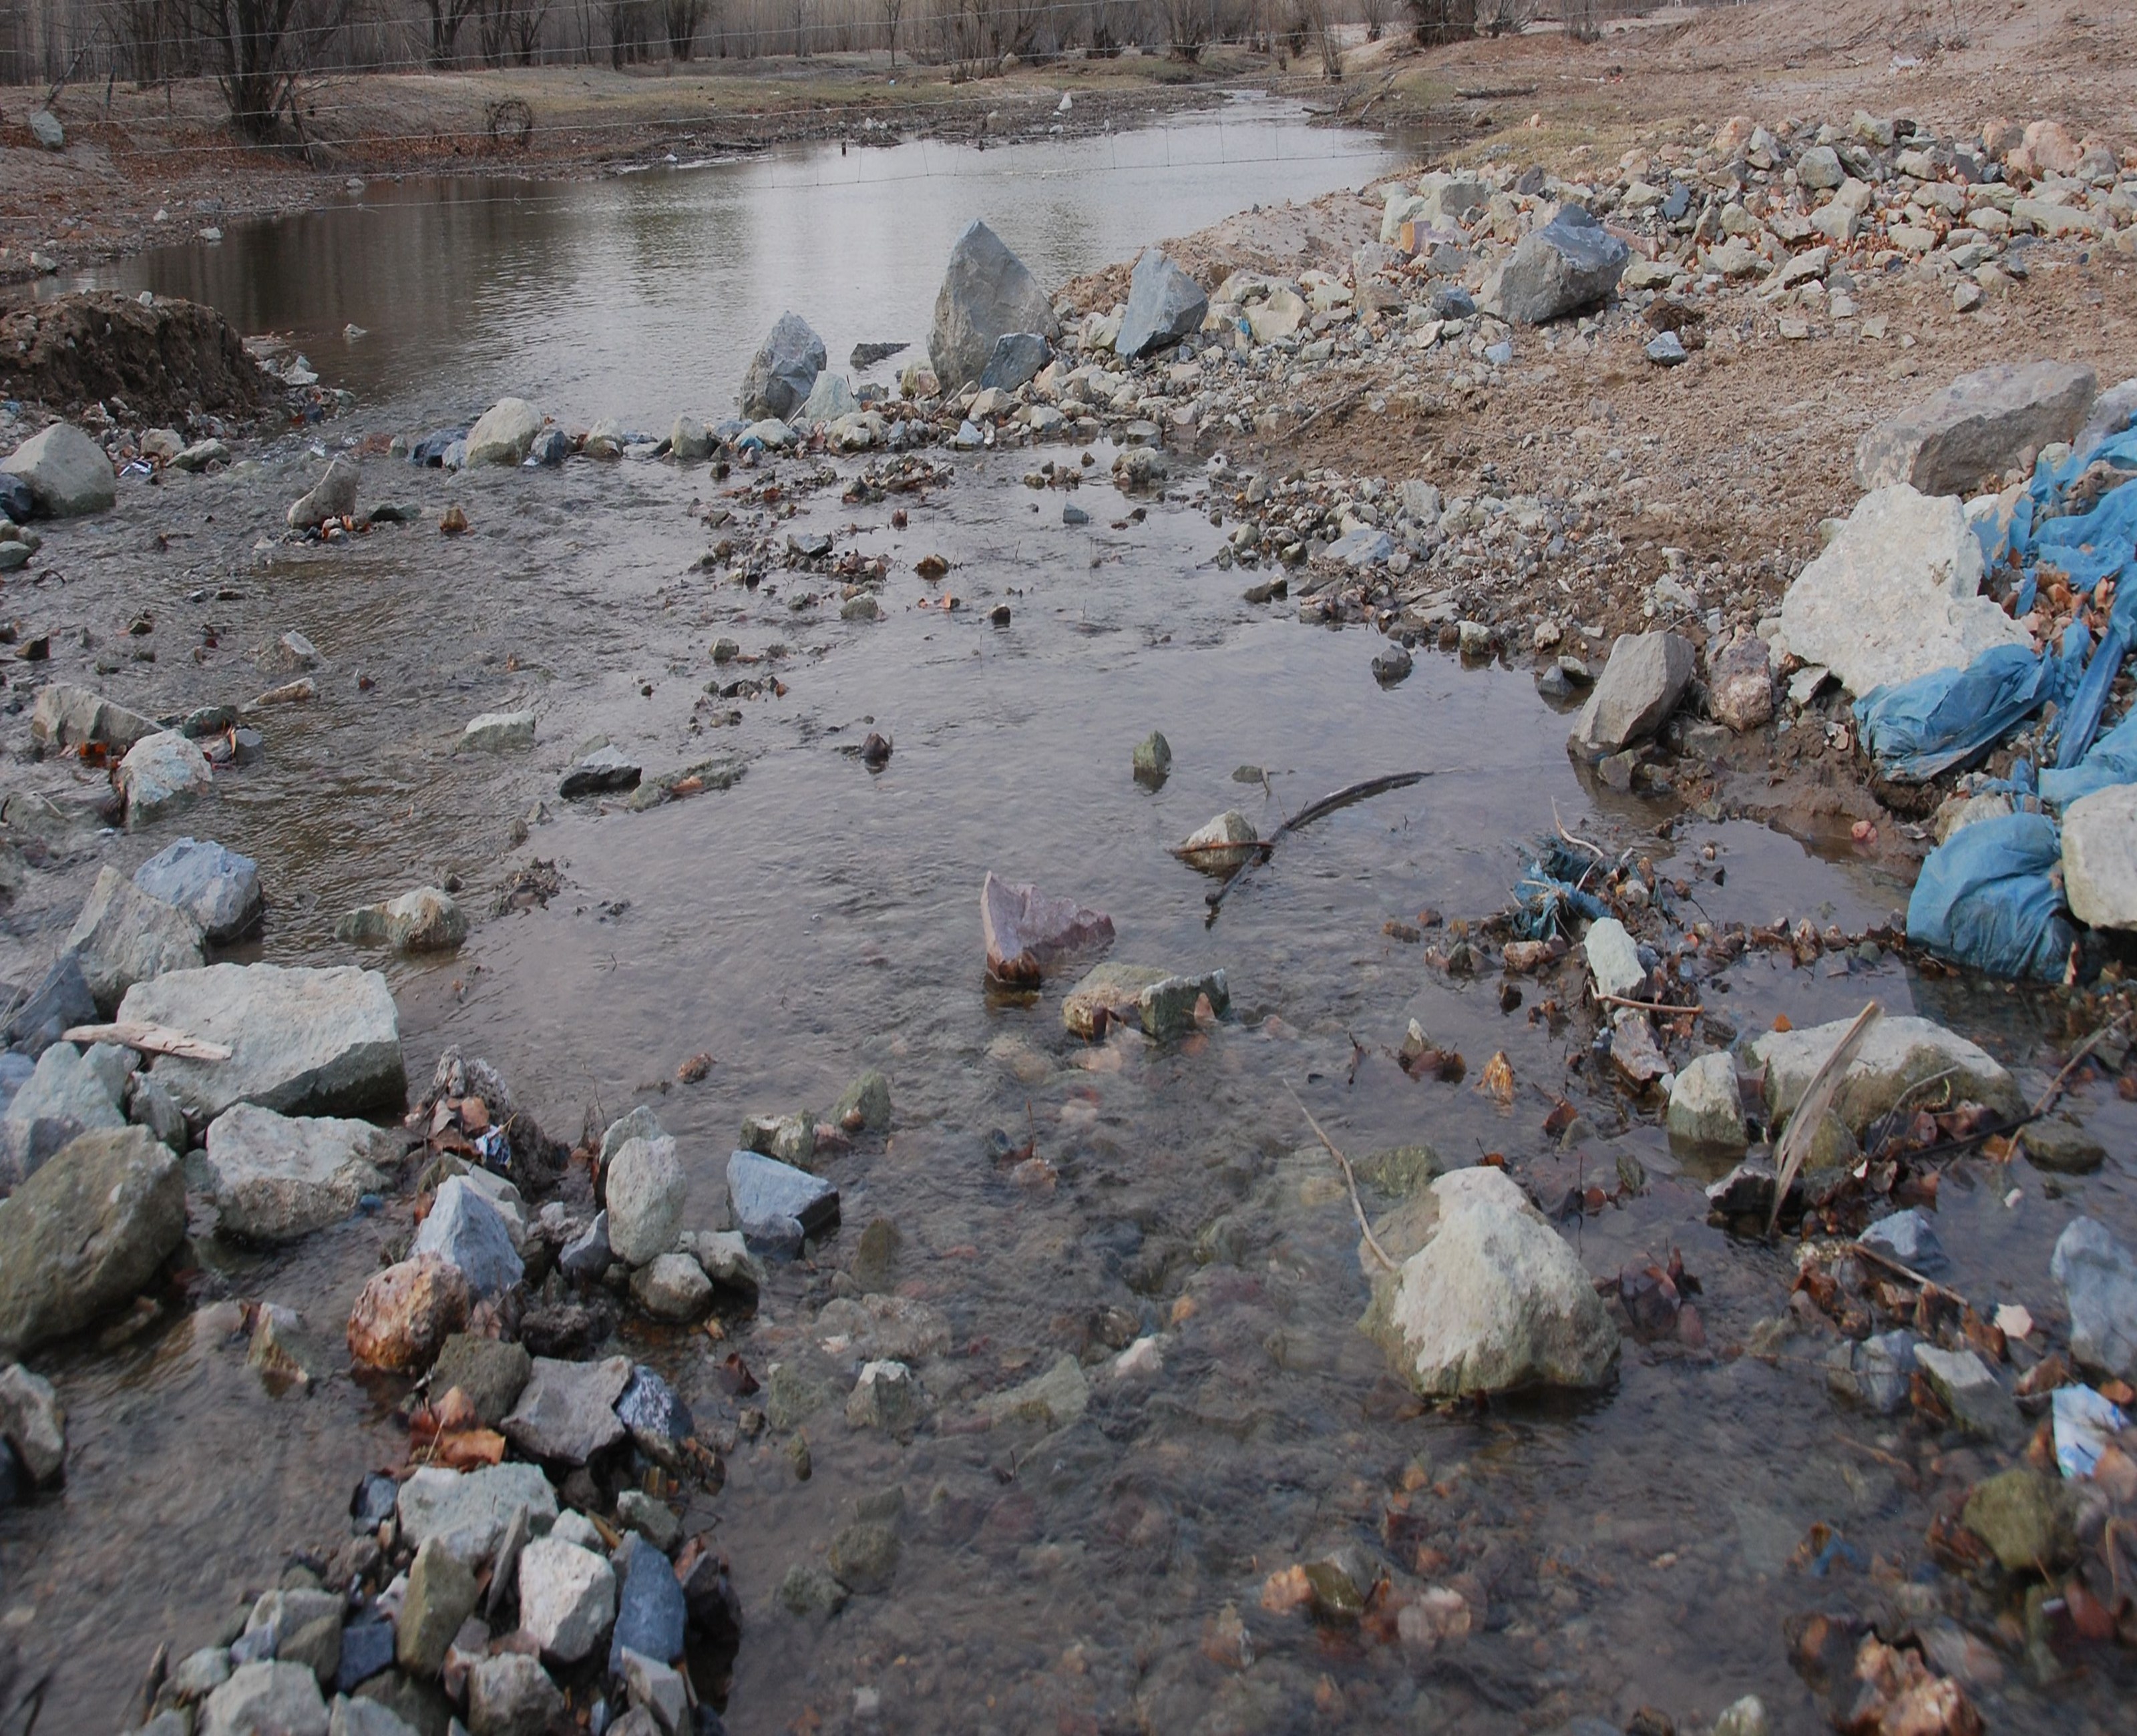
1304 817
1644 1006
1351 1180
1890 1264
1811 1109
1595 849
2085 1049
1348 400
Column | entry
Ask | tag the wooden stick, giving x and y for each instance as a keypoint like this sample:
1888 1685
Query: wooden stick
1644 1006
1305 816
2055 1086
150 1039
1817 1098
1365 1228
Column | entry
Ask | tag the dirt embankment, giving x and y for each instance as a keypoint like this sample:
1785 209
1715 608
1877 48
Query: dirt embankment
161 361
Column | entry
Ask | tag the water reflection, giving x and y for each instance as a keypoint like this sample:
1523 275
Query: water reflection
643 297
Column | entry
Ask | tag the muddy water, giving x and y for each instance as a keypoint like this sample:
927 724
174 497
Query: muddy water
1631 1549
645 297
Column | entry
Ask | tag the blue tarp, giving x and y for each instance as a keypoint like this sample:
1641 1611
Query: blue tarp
2112 759
1985 897
1920 727
1936 721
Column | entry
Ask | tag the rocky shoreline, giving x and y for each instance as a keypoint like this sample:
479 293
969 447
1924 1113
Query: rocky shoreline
540 1557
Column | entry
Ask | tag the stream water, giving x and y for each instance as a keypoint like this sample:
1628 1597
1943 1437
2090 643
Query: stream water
1631 1549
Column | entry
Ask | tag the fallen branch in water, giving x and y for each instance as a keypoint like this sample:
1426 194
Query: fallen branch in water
1811 1108
2084 1050
150 1039
1645 1006
1349 1180
1304 817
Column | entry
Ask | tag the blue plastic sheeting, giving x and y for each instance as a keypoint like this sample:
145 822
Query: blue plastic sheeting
1550 893
1985 897
1920 727
2112 759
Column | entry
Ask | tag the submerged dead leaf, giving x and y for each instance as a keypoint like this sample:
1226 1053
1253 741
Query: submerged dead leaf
1498 1082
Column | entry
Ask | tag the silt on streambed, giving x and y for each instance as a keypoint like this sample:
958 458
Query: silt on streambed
1640 1546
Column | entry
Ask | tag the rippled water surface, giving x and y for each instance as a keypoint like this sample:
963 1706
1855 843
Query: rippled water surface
1633 1548
645 296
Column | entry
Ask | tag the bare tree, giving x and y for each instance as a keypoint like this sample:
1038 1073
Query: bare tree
1376 14
447 18
1187 28
1578 18
892 12
525 28
682 18
255 50
1443 21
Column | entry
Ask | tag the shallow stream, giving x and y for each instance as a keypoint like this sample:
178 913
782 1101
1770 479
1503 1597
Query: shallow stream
1632 1548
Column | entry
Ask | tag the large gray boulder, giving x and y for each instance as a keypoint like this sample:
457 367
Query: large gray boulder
646 1189
2099 1277
63 1098
1573 262
1979 427
124 936
2112 412
783 372
85 1233
776 1206
266 1698
333 496
466 1229
1016 361
67 716
1640 686
1899 1052
986 292
503 433
274 1178
1492 1300
303 1042
66 472
161 773
1165 304
566 1410
469 1511
2099 856
219 888
1895 594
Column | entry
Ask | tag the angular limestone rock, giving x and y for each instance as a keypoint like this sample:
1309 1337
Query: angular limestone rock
1493 1299
1978 427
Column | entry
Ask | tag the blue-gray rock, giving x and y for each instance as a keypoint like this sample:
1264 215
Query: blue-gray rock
986 292
1678 203
2099 1277
782 373
1017 358
650 1612
219 888
63 1098
124 936
552 446
1907 1237
85 1233
602 770
15 1071
1874 1374
1665 349
776 1206
1571 263
430 450
588 1256
67 473
373 1503
567 1411
367 1647
1451 301
1165 304
1363 546
658 1421
466 1229
16 502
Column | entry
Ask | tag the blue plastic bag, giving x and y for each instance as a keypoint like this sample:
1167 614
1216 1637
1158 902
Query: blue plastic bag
2112 759
1920 727
1985 898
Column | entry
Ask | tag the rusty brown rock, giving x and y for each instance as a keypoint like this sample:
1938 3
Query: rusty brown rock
406 1313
